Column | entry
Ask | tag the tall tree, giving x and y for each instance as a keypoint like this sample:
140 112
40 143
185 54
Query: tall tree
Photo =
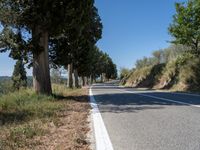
76 79
19 75
70 76
186 25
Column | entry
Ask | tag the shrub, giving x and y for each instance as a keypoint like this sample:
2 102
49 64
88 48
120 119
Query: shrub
168 77
189 76
146 76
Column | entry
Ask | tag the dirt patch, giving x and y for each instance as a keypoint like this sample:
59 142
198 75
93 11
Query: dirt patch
70 132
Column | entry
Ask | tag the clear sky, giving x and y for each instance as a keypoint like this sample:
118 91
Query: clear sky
132 29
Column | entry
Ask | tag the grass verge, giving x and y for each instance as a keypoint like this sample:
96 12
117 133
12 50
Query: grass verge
31 121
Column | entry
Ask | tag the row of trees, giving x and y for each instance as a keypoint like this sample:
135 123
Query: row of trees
61 32
97 64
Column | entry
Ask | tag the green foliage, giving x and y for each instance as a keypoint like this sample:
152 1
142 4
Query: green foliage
145 62
21 135
172 52
6 85
79 48
162 56
25 115
146 76
189 74
19 75
98 63
73 28
184 59
186 24
157 55
138 76
124 73
56 75
25 104
181 71
169 75
110 68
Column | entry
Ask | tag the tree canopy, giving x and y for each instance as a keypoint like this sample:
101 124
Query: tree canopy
19 75
64 32
185 27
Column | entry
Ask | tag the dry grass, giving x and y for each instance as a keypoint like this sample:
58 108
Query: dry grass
61 122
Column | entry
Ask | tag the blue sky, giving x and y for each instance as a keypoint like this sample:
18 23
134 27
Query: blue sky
132 29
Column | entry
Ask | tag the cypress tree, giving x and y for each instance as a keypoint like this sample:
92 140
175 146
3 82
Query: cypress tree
41 19
19 75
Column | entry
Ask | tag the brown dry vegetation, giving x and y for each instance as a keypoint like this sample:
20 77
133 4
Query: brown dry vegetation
180 74
61 122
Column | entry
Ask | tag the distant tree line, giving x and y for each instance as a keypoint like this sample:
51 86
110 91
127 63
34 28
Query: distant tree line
60 33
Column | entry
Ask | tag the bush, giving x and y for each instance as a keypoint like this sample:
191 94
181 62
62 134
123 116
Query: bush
145 77
181 73
189 76
169 76
138 76
6 86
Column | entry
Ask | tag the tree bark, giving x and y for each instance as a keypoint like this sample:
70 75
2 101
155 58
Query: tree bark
87 80
83 81
76 82
101 78
91 79
70 77
41 74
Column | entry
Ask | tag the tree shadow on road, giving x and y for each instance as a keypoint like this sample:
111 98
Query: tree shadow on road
133 102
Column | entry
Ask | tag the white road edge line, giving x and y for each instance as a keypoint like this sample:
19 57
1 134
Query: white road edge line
101 135
164 99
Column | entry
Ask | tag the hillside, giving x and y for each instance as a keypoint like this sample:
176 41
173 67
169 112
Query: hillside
179 73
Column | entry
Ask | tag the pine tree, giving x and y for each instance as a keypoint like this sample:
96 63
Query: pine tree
19 75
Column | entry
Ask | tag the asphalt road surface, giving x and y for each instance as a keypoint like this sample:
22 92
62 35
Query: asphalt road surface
149 120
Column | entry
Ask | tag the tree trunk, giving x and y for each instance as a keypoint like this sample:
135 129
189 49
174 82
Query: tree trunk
83 81
101 78
91 79
70 77
76 78
87 80
41 74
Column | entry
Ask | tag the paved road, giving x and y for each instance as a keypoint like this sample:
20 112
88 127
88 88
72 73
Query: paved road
149 120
